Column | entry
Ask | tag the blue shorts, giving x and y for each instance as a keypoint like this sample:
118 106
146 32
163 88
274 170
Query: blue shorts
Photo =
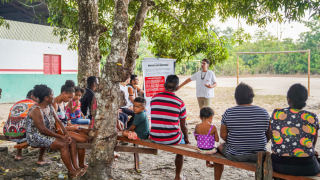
80 121
182 140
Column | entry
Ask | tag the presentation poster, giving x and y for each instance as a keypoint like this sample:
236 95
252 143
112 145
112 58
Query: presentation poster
155 72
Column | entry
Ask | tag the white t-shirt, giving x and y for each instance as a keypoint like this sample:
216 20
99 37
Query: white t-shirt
208 78
126 95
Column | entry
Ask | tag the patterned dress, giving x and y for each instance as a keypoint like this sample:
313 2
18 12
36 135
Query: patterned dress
293 132
34 137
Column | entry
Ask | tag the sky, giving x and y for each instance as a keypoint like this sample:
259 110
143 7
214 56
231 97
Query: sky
289 30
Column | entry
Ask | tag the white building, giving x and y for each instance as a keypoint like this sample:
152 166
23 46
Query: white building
30 54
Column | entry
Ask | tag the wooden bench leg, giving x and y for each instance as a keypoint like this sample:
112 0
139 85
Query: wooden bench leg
136 161
260 159
267 167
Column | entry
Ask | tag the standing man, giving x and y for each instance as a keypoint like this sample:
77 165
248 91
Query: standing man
205 82
133 88
168 112
86 100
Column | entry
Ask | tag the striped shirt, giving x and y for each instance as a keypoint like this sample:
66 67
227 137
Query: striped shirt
167 110
247 126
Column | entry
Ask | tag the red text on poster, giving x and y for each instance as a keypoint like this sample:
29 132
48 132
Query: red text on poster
154 85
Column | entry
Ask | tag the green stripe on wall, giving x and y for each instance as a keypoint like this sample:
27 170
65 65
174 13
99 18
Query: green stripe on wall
16 86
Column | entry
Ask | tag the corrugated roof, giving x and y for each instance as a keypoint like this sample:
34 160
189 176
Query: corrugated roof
29 32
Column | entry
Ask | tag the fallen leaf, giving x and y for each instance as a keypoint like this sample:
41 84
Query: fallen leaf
7 170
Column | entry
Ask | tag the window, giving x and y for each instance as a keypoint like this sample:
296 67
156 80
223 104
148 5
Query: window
51 64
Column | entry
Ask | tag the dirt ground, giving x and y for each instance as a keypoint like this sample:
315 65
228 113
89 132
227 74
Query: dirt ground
270 94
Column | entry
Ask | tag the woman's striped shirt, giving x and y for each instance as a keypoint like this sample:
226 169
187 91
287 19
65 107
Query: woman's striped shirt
167 110
247 126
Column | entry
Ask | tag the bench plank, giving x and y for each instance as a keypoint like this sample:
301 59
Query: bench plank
135 149
84 145
123 148
188 150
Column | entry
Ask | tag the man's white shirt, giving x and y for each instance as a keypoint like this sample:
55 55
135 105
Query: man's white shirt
126 95
208 78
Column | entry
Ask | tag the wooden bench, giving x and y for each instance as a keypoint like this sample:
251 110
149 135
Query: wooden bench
136 150
191 151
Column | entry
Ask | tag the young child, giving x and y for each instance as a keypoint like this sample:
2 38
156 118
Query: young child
74 108
140 125
206 134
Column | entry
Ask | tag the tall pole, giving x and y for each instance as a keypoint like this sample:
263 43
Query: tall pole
309 72
237 69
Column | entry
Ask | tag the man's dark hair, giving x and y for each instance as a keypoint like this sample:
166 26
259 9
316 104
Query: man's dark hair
172 82
29 94
244 94
68 87
79 89
133 77
206 60
91 80
206 112
298 94
140 100
41 91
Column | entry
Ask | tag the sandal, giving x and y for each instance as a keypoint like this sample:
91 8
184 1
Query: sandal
84 171
79 174
44 163
18 159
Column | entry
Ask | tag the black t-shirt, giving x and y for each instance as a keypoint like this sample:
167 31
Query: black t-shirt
86 102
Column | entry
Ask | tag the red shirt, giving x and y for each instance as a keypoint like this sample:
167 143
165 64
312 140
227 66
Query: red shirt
167 110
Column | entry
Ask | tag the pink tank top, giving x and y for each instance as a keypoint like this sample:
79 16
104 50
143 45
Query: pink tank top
205 142
76 114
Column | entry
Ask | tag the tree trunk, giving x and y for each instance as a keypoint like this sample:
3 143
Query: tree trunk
119 65
108 97
88 47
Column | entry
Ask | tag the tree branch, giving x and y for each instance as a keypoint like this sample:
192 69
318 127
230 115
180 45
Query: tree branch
135 36
175 17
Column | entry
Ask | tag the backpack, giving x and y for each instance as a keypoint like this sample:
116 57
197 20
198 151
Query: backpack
15 127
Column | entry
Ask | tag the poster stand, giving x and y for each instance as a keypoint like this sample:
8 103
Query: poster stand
155 72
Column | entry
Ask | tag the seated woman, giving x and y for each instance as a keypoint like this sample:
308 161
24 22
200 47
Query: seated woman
243 128
128 108
294 136
40 130
67 93
29 101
